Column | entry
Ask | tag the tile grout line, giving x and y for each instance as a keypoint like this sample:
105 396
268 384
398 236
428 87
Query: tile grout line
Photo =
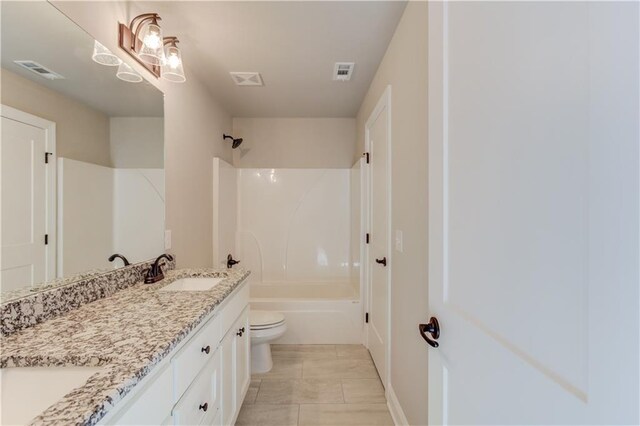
255 401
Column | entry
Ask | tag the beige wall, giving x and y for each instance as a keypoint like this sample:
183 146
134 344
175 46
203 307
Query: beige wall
404 67
137 142
82 133
295 142
194 123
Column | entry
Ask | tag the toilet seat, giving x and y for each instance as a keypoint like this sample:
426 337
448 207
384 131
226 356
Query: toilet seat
263 320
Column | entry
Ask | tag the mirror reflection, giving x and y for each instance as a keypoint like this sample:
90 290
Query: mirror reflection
82 156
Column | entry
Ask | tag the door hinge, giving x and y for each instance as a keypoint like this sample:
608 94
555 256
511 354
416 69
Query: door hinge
366 317
46 157
46 239
366 238
367 157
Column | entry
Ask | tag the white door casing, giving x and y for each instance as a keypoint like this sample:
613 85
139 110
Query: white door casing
28 199
533 218
378 218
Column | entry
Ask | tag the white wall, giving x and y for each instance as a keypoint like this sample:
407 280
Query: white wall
404 67
294 224
225 211
85 216
320 143
138 219
194 123
82 133
137 142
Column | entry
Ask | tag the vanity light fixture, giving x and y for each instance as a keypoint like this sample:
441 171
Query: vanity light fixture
104 56
148 30
142 39
128 74
172 69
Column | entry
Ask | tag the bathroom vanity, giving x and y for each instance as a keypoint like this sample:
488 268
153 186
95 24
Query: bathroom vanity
174 352
203 381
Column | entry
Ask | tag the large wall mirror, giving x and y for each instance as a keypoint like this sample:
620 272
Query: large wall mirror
82 156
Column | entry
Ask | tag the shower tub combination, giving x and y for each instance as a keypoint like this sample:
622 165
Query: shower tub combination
294 234
315 313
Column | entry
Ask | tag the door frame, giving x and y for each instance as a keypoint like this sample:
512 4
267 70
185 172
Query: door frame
383 102
49 128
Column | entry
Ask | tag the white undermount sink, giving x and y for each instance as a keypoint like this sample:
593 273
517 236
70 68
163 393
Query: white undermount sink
192 284
28 391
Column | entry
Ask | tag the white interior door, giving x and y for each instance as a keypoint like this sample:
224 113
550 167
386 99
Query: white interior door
25 188
377 131
533 222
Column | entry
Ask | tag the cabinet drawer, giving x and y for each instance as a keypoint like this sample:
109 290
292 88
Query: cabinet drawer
194 355
234 308
201 402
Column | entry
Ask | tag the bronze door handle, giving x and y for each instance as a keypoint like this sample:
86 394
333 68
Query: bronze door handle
432 328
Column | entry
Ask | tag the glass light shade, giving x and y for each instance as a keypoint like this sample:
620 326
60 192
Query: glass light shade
172 69
152 50
128 74
104 56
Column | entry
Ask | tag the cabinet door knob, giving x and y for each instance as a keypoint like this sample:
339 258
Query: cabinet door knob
242 329
204 407
239 333
206 349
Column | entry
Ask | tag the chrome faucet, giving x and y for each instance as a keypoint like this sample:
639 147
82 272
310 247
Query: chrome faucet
155 274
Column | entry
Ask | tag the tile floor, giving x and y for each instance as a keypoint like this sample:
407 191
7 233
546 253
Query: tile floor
316 385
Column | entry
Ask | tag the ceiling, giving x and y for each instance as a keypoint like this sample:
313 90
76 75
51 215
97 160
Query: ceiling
38 31
294 46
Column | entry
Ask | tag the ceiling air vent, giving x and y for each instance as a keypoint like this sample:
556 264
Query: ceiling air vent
246 78
42 71
342 71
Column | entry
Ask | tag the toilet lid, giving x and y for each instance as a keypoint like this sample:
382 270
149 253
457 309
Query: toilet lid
265 319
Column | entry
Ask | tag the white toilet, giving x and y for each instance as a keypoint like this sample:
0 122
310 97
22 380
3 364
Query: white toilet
266 326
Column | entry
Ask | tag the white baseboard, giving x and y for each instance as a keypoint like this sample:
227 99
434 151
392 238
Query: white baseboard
399 419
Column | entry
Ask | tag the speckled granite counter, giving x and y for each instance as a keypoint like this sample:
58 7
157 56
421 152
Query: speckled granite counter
128 333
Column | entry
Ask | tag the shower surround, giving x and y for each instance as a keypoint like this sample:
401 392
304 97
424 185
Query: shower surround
294 234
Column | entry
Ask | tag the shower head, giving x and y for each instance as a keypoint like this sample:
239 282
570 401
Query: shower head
236 142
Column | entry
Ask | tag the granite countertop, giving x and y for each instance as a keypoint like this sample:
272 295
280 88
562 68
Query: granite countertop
127 334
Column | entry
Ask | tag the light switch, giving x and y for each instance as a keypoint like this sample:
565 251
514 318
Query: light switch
399 241
167 239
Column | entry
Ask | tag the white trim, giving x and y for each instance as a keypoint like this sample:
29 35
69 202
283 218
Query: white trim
397 414
437 133
60 218
363 250
383 103
51 213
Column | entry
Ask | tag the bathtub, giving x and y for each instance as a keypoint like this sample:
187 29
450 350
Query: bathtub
316 313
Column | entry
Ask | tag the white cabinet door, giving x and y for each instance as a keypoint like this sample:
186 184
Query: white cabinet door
533 212
242 348
201 402
228 377
235 367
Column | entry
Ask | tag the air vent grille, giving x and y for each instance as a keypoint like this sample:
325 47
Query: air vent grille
342 71
41 70
247 78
